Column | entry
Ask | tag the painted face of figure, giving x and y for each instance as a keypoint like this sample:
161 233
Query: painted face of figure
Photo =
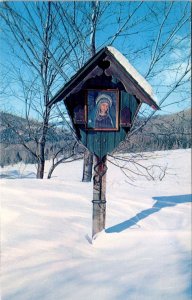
104 107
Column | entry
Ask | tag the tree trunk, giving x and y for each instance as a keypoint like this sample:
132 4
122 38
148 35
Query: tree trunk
88 156
41 161
41 148
87 166
40 169
51 171
54 165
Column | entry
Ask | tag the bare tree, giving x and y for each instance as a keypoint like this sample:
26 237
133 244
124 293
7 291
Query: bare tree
32 50
42 39
71 151
88 156
166 49
97 12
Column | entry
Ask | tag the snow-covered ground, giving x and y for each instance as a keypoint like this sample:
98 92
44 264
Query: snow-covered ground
145 252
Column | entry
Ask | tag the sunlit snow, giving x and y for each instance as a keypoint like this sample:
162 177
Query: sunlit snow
145 252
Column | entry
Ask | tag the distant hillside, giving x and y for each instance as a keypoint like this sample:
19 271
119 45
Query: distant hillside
160 133
14 129
8 136
163 132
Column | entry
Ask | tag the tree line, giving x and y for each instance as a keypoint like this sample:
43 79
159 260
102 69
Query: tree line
165 132
162 132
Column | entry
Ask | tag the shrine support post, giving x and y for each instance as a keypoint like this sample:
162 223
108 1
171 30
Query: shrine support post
99 195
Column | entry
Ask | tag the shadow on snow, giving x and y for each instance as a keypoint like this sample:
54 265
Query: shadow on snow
161 202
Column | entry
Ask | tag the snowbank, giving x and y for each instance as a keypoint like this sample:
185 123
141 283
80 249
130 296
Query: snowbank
145 252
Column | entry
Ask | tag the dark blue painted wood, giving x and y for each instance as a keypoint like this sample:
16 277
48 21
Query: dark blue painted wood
102 142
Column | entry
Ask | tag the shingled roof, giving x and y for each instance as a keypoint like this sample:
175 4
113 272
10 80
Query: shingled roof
119 67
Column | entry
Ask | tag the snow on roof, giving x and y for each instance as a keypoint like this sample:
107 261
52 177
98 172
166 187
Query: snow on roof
123 62
131 70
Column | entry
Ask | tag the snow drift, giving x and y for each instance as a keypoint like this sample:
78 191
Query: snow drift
145 252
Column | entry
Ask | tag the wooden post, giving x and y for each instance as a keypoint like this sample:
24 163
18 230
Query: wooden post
99 195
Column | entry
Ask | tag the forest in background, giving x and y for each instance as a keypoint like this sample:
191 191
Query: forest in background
162 132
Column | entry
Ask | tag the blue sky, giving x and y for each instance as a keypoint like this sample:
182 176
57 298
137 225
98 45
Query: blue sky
135 43
179 50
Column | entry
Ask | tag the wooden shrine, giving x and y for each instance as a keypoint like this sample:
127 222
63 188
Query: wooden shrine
103 99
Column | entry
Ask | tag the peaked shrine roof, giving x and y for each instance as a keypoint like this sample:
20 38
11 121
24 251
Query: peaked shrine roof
119 67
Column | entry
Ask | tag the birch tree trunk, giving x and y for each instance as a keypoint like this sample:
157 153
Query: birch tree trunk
88 156
87 166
